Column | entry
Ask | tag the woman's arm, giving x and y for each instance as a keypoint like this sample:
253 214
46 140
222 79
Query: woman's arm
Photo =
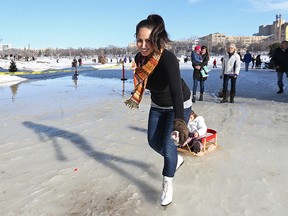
205 61
237 64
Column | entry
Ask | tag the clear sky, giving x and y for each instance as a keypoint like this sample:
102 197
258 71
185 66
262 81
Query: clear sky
101 23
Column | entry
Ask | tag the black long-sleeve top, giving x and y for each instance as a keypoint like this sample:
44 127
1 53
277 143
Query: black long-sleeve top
166 86
280 59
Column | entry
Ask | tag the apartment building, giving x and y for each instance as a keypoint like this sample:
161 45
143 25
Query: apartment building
276 32
218 39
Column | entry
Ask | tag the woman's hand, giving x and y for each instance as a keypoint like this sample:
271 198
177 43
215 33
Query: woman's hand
180 126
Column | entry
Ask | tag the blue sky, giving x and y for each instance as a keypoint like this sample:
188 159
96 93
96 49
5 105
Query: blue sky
101 23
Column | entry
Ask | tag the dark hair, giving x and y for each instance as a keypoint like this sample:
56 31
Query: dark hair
158 36
205 47
193 114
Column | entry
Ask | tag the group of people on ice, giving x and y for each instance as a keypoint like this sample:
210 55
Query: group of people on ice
230 71
171 118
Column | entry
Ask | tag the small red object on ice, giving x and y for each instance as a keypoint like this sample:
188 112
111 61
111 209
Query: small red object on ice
76 169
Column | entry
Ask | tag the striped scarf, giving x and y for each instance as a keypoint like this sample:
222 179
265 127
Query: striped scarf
141 75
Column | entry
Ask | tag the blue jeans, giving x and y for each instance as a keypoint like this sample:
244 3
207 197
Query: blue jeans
160 127
246 66
280 78
195 84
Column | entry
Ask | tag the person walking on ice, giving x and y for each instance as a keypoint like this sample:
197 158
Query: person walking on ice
280 59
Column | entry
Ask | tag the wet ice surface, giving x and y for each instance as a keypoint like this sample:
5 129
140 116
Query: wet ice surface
71 147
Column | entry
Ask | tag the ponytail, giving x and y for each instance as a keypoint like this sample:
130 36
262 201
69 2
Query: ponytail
159 36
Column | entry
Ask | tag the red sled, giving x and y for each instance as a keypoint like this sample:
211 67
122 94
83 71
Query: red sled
209 141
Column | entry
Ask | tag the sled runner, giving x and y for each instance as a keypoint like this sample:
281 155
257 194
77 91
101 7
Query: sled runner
209 141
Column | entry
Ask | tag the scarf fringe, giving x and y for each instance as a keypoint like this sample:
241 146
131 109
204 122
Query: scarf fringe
131 104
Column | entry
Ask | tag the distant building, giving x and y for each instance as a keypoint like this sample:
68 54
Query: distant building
278 31
4 47
218 39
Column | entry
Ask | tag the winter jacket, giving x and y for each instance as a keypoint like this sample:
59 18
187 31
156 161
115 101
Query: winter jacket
197 125
280 60
196 58
196 73
231 64
247 58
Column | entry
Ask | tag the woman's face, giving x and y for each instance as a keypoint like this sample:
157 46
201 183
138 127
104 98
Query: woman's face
230 49
143 41
203 51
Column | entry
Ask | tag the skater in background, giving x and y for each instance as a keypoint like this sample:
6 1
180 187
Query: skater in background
258 62
80 61
74 65
215 63
280 60
230 71
253 61
247 59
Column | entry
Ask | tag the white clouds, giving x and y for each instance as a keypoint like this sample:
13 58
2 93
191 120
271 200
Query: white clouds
270 5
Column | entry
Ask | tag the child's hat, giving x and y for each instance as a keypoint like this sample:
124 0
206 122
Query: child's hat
197 47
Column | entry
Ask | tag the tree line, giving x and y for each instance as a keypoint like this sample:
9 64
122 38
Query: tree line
179 48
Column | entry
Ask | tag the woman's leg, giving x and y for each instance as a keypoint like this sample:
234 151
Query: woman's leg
233 85
225 89
201 89
156 122
160 127
233 89
225 84
195 84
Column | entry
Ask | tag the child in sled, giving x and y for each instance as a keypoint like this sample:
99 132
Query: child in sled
197 59
197 129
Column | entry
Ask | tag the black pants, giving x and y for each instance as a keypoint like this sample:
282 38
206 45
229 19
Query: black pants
226 82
